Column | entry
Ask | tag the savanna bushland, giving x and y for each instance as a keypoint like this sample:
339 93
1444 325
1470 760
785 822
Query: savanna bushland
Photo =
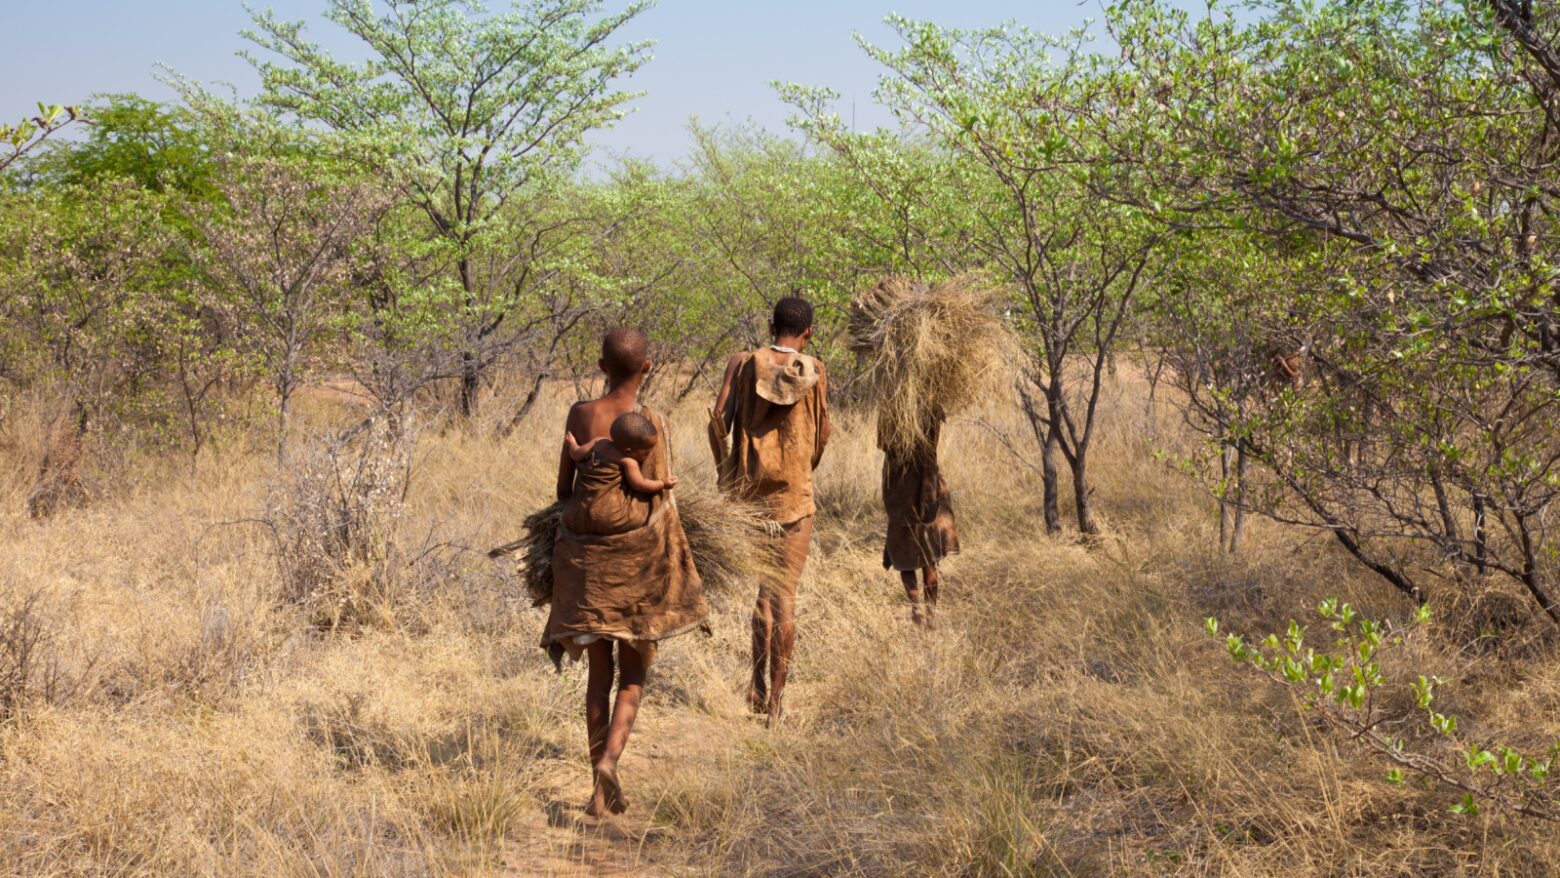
1258 575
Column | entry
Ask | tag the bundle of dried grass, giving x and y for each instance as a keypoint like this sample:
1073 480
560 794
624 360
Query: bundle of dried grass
929 351
535 549
732 542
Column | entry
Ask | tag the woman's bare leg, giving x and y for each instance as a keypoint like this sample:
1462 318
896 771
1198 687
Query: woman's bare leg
933 582
913 592
631 682
598 716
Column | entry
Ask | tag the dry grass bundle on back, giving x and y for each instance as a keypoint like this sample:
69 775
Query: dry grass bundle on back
731 541
929 351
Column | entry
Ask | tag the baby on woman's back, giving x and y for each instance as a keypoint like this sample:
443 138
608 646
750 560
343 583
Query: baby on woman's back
631 440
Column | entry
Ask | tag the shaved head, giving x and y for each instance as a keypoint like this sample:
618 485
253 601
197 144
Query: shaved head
633 431
624 352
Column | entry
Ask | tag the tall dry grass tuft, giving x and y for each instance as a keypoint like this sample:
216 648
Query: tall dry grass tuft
333 514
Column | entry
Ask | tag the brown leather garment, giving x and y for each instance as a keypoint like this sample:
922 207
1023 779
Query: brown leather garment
921 527
777 417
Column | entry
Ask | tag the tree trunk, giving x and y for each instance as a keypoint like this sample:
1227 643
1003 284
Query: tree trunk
1080 479
1240 497
286 384
1530 570
1385 571
468 384
1480 538
1049 439
1053 438
469 362
1048 451
525 407
1449 530
1149 412
283 416
1226 518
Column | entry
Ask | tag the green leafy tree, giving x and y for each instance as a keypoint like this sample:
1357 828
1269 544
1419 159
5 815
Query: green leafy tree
278 246
472 113
1411 145
1346 679
21 138
99 313
159 147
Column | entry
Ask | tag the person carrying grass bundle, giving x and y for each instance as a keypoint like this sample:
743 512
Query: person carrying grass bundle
622 573
768 430
928 350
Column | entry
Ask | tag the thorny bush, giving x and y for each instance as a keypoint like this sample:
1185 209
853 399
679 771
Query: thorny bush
334 510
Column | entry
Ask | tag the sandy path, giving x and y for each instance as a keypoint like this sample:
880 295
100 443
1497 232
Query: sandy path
558 840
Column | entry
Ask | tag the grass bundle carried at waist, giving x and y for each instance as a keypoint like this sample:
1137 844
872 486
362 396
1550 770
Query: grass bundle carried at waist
929 351
535 548
731 541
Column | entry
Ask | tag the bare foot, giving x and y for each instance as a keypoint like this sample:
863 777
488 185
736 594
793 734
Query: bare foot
617 803
607 783
758 702
598 801
917 614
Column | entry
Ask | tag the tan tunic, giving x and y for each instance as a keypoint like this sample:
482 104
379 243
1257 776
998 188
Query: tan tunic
921 527
778 413
638 584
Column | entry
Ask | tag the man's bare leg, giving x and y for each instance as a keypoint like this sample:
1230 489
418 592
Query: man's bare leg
763 628
933 580
598 716
631 682
913 592
780 648
783 605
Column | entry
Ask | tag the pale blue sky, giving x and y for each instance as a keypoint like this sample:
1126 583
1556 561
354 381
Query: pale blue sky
713 59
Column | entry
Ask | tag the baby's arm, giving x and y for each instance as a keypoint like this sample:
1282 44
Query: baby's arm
635 478
577 452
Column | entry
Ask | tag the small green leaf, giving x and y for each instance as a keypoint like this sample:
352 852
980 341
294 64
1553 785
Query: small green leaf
1468 806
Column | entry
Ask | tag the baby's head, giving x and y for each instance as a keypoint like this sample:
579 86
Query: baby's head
634 435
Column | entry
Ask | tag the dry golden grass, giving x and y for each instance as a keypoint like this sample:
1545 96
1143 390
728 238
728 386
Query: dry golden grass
1066 718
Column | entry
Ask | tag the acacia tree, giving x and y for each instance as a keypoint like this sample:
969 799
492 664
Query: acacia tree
83 296
1221 346
767 218
279 245
1008 104
472 113
159 147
